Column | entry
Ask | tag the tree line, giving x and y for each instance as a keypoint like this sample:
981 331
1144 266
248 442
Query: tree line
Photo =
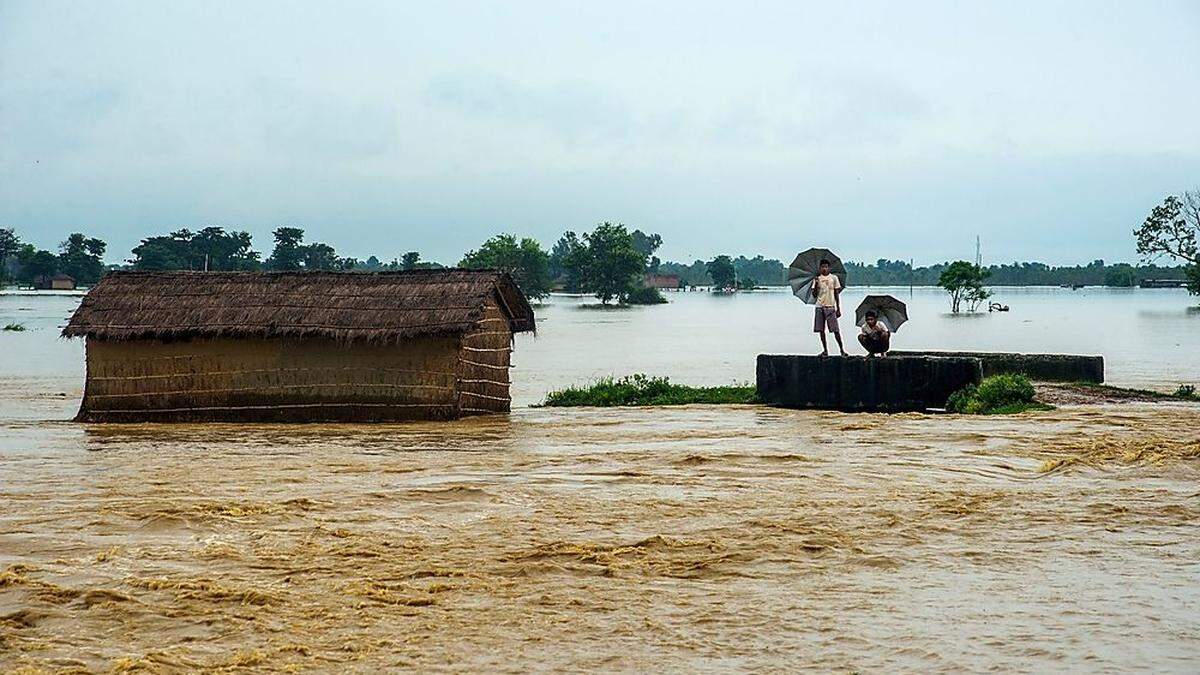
610 262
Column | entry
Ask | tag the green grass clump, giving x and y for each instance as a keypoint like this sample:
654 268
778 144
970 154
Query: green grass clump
15 327
639 390
645 295
1003 394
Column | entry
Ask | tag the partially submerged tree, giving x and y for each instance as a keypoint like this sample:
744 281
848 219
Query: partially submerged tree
721 271
964 282
1171 230
610 264
525 260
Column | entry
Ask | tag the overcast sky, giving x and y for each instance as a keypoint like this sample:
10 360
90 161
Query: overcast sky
891 129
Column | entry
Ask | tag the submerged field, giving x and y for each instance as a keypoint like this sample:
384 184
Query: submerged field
691 538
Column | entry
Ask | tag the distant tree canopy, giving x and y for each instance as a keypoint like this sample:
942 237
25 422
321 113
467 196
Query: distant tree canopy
608 263
10 246
566 262
291 253
524 259
33 263
1171 230
964 282
82 258
647 244
210 248
721 271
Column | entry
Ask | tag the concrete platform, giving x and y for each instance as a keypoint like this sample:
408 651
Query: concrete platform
1040 367
858 383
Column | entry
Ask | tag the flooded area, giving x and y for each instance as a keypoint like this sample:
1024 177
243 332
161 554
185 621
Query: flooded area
681 539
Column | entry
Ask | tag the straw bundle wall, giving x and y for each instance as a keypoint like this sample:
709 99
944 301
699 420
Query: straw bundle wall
280 380
484 357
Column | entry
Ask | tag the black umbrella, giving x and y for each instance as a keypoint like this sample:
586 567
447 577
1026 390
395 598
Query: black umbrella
807 266
890 311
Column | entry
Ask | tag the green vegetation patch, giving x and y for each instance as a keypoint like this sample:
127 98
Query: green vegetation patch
15 327
645 295
1004 394
640 390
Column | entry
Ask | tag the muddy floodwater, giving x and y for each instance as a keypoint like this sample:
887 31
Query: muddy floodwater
678 539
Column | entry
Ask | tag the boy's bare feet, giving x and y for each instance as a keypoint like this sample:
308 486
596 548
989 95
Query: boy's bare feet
824 353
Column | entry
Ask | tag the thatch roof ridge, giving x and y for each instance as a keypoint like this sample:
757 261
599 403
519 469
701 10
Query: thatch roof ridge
373 305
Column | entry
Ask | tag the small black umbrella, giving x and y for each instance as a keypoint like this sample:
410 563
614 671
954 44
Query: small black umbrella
807 266
890 311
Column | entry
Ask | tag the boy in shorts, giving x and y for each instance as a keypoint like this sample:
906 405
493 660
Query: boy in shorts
827 289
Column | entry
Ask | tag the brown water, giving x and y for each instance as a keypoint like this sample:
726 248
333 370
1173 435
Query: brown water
683 539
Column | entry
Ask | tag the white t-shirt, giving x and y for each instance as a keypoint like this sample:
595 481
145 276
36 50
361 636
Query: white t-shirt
827 287
879 329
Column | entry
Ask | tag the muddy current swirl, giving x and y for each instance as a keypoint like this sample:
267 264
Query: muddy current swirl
658 539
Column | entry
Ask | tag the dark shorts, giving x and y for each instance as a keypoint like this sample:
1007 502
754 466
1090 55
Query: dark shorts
875 343
825 318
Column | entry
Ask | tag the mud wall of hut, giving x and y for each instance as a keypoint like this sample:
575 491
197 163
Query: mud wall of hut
484 357
283 380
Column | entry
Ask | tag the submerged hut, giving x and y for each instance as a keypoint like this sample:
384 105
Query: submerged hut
298 346
58 282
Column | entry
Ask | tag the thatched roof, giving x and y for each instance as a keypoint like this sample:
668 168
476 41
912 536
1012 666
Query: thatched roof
348 306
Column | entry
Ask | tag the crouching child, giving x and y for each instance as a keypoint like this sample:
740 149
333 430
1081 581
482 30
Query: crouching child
875 337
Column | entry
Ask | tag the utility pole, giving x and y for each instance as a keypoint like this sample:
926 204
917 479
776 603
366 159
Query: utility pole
978 253
911 274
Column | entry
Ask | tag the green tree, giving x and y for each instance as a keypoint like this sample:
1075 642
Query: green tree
211 248
964 282
647 244
1121 275
410 260
34 263
82 258
1171 229
720 270
288 253
525 260
10 245
608 264
566 258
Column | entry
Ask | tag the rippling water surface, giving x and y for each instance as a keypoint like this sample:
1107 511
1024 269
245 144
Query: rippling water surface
684 539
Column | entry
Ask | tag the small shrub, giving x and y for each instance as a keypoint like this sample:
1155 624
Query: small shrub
1005 389
1186 391
645 295
15 327
957 403
999 394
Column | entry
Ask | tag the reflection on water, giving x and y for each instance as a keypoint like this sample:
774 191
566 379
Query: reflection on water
695 538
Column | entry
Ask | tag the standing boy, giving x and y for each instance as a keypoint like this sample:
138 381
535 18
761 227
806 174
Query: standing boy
875 337
827 289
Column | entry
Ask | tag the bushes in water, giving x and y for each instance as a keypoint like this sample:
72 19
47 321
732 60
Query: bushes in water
645 295
999 394
15 327
639 390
